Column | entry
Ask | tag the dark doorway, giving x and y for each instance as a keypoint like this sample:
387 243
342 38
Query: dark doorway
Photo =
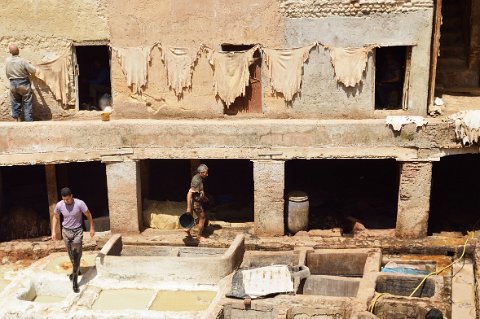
458 61
391 66
24 211
88 182
251 102
341 191
165 180
455 200
94 86
229 188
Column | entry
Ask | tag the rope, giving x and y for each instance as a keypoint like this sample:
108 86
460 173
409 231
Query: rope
372 306
444 268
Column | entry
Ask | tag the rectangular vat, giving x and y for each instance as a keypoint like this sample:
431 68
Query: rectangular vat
123 299
331 286
401 285
169 264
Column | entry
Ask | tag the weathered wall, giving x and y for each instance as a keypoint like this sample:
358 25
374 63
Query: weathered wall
323 96
42 28
359 8
277 24
269 185
188 24
61 141
414 199
124 196
272 23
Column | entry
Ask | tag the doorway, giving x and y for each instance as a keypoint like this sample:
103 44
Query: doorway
391 77
93 83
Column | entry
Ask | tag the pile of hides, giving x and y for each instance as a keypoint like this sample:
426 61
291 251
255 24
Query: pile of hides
162 214
262 281
467 126
397 122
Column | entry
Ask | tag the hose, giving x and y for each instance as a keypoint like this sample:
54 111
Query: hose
372 307
446 267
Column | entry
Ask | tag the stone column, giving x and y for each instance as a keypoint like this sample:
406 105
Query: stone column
124 196
414 199
269 185
52 191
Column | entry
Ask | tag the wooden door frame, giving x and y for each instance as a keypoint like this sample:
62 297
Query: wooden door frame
435 50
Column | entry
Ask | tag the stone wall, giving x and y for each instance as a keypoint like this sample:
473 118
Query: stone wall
414 199
359 8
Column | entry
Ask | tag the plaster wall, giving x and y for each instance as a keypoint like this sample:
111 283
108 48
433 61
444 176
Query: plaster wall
274 24
42 29
187 24
323 96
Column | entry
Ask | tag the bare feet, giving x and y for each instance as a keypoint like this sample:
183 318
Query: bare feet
200 238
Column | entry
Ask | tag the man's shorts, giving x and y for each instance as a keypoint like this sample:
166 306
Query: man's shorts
198 211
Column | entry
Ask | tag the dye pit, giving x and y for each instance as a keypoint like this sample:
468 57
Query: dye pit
128 281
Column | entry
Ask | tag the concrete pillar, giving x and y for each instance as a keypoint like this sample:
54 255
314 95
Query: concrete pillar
414 199
52 191
269 185
124 196
145 178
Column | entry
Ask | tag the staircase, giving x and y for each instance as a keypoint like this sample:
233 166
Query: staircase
453 73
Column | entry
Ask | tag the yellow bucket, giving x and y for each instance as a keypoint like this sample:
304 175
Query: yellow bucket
105 116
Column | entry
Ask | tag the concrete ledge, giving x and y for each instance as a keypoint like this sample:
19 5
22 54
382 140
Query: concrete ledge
60 142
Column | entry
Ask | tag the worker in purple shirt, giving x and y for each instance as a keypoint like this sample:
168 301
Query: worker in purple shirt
72 232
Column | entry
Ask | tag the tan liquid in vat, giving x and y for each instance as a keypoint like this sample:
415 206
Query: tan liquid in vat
122 299
182 300
48 299
62 264
3 283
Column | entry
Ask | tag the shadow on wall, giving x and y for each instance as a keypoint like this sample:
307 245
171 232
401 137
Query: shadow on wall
351 91
41 111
